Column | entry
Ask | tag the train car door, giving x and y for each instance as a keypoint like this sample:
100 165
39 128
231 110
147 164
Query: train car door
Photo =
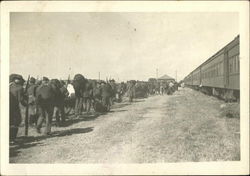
226 69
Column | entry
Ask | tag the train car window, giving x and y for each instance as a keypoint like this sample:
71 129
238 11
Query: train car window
222 68
232 62
230 66
219 69
235 64
238 64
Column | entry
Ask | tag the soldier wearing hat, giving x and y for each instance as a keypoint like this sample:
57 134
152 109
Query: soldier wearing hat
16 98
97 91
106 92
114 91
31 91
59 100
45 81
87 96
131 90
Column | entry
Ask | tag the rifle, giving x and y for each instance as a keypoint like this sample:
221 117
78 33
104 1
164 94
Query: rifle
27 108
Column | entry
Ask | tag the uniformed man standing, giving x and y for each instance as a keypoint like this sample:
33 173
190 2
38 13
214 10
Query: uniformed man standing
32 101
106 92
97 91
45 81
131 90
87 96
114 91
62 93
16 98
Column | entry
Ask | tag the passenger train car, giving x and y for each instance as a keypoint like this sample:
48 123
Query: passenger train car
220 74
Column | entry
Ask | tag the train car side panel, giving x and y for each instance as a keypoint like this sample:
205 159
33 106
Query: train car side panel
233 68
213 72
196 77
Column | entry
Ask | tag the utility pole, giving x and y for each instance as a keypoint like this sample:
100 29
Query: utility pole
176 75
157 73
99 75
69 72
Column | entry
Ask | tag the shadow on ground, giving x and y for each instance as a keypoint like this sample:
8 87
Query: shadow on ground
112 111
25 142
84 117
138 100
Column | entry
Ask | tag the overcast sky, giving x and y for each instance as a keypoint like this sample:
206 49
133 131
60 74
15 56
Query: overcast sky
118 45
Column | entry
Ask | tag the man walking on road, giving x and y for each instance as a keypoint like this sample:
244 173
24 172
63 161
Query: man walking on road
16 98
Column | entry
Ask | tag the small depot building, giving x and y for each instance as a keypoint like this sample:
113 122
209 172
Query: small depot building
165 78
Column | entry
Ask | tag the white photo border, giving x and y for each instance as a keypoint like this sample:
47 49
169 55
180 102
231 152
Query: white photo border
208 168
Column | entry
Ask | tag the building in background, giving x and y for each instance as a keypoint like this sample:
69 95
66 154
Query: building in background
165 78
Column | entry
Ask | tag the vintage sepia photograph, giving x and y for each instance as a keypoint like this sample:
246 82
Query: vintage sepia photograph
125 87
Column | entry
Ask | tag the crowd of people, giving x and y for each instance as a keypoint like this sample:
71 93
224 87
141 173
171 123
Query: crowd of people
46 99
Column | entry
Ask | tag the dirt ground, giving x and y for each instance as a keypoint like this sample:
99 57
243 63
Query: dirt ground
185 126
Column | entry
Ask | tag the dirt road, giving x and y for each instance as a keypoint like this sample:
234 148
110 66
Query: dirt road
187 126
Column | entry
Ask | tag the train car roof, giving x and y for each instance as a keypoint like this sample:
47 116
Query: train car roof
230 45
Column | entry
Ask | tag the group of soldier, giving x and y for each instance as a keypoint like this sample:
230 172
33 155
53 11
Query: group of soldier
46 99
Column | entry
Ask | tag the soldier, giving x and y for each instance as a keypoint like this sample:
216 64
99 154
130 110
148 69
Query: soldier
161 88
60 95
119 92
106 92
131 90
87 96
123 88
33 116
47 97
97 95
63 89
79 84
114 91
170 88
45 81
176 86
62 101
16 98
